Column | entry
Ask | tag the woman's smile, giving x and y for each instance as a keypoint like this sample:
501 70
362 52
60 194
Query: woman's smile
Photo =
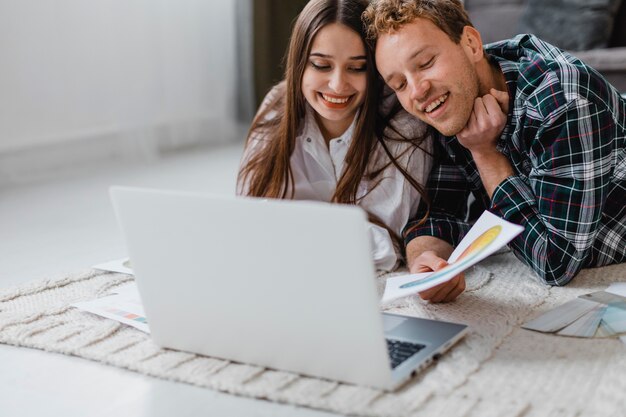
334 101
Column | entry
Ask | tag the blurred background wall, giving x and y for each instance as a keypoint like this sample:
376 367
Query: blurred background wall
113 77
82 81
273 20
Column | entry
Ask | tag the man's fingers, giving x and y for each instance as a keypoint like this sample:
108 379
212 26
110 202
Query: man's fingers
479 109
503 99
443 292
428 294
447 291
492 106
448 288
430 260
458 290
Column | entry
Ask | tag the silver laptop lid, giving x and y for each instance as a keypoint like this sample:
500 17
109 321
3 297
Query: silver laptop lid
281 284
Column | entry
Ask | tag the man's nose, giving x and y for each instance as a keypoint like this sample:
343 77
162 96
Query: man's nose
419 89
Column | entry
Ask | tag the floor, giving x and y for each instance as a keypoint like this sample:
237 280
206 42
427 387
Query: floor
65 223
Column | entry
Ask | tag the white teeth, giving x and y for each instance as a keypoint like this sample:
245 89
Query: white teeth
335 100
432 106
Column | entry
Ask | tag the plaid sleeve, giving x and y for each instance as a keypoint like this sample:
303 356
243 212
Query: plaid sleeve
560 205
448 191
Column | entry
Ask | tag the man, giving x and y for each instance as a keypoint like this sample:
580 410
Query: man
536 135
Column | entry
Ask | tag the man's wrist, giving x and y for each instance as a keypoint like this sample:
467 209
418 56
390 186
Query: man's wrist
422 244
487 156
493 168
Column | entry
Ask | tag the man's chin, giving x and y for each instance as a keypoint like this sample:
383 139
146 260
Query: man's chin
451 127
447 130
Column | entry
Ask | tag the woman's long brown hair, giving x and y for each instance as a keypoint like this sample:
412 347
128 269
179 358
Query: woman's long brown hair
268 172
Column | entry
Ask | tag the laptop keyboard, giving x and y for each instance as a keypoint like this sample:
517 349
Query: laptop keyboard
400 351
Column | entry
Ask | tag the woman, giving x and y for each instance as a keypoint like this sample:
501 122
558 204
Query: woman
320 135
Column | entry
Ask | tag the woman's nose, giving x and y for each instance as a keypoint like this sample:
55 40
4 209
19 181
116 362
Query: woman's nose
338 81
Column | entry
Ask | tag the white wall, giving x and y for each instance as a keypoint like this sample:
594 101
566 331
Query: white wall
114 70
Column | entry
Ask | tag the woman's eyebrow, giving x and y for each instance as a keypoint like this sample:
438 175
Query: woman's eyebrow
352 58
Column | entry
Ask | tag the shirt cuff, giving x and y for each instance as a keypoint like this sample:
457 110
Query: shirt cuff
449 230
383 251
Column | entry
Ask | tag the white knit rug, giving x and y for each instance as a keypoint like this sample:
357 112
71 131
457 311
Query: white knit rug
499 369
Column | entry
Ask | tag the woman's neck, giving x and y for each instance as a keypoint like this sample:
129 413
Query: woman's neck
332 129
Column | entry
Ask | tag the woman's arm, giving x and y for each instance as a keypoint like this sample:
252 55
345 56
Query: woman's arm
256 139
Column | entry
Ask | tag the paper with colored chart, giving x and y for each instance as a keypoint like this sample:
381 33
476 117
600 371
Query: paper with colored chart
488 234
124 305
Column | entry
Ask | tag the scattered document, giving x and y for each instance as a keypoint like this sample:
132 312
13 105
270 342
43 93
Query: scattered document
488 234
618 288
123 306
561 316
118 265
598 314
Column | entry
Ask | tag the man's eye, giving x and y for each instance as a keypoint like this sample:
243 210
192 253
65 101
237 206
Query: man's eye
399 87
427 63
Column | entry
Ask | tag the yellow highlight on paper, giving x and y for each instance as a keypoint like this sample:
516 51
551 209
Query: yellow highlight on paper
481 242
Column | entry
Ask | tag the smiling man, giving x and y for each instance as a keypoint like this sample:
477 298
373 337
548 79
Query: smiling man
536 135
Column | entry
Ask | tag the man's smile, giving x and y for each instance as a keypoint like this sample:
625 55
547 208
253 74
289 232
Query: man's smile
434 104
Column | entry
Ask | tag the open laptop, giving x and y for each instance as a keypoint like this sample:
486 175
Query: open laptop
288 285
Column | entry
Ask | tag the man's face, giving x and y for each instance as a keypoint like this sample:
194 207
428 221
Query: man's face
434 78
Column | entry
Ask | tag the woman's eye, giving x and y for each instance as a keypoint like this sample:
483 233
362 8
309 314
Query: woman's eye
320 67
360 68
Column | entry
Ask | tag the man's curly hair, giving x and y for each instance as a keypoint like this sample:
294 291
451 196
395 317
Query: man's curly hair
384 16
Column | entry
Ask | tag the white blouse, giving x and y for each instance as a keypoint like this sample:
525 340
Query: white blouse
317 169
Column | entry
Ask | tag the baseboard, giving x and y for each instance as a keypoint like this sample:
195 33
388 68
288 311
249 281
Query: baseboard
137 144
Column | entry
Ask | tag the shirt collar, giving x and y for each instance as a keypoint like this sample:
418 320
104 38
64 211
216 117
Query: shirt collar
511 71
312 129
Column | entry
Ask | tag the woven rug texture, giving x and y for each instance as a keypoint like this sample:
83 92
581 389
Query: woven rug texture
498 369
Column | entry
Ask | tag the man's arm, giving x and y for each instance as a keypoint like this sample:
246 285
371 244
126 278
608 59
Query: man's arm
481 134
560 205
429 244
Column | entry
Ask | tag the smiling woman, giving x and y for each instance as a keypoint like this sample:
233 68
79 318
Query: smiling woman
334 83
328 133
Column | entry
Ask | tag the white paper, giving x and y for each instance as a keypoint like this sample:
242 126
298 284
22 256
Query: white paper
123 306
488 234
618 288
118 265
562 316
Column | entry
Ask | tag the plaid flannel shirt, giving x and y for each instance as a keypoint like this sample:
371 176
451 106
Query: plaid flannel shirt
565 138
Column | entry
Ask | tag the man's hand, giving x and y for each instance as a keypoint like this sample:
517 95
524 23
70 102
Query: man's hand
481 134
442 293
486 122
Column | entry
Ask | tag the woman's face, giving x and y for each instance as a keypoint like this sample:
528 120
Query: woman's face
335 79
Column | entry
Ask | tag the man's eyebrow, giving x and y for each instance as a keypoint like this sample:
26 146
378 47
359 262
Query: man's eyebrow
416 53
352 58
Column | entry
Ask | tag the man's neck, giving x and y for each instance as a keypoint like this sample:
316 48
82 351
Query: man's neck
490 76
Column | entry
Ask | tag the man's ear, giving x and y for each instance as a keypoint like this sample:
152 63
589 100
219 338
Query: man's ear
472 43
